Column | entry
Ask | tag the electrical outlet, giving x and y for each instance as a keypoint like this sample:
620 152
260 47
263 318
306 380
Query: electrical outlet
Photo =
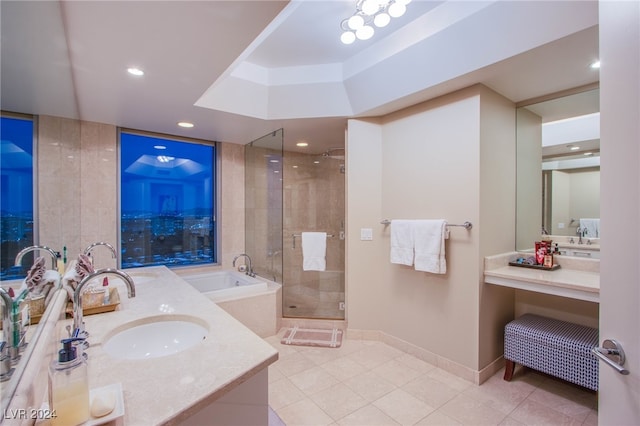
341 306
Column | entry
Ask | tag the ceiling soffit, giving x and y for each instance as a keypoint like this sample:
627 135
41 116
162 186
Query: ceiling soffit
447 43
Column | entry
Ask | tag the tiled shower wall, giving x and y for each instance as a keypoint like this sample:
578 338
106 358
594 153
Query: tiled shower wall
314 200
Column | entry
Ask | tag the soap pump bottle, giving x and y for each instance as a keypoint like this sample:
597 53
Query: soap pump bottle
69 386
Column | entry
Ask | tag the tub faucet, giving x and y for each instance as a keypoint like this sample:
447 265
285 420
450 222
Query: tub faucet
54 255
7 345
250 268
90 248
78 324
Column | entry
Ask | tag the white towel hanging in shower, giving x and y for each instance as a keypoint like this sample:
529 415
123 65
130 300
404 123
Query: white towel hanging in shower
314 251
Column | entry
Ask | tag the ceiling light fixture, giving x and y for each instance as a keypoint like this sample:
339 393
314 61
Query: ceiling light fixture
185 124
370 13
135 71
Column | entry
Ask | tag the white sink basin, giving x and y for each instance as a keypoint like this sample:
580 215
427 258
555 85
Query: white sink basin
155 337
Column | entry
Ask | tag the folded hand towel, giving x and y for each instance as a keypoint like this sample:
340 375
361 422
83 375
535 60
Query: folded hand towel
429 236
314 249
402 242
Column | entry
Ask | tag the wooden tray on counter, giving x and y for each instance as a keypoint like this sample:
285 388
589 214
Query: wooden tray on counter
114 301
540 267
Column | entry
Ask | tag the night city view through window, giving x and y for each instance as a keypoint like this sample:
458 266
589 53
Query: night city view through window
16 199
167 201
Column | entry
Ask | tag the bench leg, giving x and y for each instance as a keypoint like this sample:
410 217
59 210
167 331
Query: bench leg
508 369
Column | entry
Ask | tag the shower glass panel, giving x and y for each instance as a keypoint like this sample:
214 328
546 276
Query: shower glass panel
263 205
314 200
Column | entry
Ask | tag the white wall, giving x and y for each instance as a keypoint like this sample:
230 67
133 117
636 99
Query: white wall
425 163
620 209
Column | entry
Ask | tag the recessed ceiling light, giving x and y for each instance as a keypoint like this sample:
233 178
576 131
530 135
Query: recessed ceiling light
595 65
185 124
135 71
302 144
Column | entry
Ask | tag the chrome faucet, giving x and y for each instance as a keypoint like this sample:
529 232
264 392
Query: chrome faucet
250 268
6 346
54 255
78 324
90 248
581 233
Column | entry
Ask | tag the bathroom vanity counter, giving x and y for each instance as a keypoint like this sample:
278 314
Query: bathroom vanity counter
576 278
171 389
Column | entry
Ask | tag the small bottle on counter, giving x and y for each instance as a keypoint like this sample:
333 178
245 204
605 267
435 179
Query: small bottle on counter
69 386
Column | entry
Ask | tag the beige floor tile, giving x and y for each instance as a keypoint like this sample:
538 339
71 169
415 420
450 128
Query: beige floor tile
430 391
534 413
283 393
367 416
373 356
338 401
438 418
396 372
469 411
415 363
500 394
344 368
449 379
592 419
403 407
369 385
304 413
275 374
510 421
558 397
313 380
321 355
293 363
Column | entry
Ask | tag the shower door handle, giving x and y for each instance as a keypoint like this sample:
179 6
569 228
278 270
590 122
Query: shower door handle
294 241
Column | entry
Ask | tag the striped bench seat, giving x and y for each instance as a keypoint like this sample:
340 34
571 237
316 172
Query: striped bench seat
559 348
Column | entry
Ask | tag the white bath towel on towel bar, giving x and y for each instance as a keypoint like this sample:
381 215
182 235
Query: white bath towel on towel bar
429 236
402 242
419 243
314 251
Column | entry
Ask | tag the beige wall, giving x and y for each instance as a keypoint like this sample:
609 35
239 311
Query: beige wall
78 192
434 160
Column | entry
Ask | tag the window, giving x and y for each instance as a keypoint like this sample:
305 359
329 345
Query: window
16 201
167 198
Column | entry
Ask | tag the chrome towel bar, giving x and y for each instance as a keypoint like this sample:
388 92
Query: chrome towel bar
467 225
299 235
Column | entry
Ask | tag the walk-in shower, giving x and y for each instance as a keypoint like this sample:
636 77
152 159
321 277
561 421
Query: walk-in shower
288 193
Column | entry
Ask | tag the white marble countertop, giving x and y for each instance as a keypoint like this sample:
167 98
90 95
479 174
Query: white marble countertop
167 390
576 278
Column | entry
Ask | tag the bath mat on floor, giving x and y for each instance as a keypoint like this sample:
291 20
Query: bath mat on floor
327 338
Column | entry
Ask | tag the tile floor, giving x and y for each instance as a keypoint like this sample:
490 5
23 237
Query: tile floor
370 383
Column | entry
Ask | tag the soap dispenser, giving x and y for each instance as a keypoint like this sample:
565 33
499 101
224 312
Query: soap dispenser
69 386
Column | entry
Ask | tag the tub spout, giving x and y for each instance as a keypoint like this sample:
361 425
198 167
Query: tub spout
249 267
78 324
54 255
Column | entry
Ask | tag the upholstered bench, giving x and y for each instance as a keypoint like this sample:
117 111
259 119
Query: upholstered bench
559 348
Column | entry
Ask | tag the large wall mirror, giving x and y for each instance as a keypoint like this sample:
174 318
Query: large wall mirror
558 168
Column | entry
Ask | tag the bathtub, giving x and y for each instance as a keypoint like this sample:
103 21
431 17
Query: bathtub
255 302
226 284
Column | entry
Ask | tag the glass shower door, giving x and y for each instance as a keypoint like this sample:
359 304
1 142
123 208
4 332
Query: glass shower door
263 205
